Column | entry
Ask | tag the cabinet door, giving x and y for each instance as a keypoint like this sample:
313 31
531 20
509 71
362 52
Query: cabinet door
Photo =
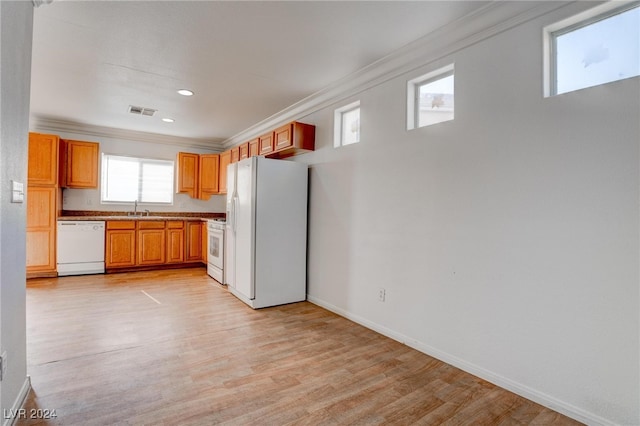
209 164
194 242
205 242
244 150
254 147
175 242
283 137
151 246
121 248
81 164
293 138
42 168
265 144
187 173
235 154
41 229
225 159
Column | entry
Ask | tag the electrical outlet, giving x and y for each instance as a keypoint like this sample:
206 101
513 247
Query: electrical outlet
381 294
3 365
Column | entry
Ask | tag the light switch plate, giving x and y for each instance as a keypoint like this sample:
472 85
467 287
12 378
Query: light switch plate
17 192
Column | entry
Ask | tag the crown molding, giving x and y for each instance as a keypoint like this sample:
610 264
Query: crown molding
45 124
487 21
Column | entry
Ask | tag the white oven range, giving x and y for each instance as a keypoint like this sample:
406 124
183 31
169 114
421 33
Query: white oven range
215 249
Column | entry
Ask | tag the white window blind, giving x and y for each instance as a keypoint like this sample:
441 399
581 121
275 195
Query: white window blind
127 179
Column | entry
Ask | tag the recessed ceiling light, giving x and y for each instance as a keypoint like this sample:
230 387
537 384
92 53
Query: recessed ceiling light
168 120
185 92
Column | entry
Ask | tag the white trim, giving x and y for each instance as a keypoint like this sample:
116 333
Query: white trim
485 22
19 401
497 379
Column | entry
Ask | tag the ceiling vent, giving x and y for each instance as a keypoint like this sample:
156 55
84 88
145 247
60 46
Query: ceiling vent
142 111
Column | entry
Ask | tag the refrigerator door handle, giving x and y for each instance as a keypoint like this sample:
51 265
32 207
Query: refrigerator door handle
230 214
235 214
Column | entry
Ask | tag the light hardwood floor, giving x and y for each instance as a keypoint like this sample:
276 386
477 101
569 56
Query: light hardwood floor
174 347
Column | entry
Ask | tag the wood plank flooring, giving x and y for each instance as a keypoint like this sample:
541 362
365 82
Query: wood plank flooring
174 347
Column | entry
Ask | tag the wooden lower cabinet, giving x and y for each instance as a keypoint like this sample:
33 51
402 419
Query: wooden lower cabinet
151 243
132 244
194 241
204 235
120 244
175 242
41 231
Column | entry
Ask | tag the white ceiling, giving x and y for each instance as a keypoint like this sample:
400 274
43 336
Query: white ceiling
245 61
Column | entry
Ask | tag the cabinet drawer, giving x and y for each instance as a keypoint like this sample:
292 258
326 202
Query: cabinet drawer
121 224
175 224
151 224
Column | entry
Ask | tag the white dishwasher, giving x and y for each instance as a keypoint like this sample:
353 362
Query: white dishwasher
80 248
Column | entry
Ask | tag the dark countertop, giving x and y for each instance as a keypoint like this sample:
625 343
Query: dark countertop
86 215
120 217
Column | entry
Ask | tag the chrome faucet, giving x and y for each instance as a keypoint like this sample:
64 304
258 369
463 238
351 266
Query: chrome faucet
135 209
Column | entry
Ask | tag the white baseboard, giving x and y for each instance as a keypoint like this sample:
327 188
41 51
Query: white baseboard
19 402
515 387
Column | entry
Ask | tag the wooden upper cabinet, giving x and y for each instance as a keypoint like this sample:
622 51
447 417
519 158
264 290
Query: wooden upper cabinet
209 175
43 159
225 159
254 147
244 151
79 164
187 173
283 137
293 138
235 154
265 144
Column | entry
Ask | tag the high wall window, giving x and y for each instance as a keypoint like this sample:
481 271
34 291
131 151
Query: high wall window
347 125
430 98
596 47
127 179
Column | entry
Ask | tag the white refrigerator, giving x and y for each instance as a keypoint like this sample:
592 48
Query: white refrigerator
266 238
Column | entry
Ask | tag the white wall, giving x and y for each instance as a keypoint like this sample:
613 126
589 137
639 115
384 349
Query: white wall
89 199
507 240
16 23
